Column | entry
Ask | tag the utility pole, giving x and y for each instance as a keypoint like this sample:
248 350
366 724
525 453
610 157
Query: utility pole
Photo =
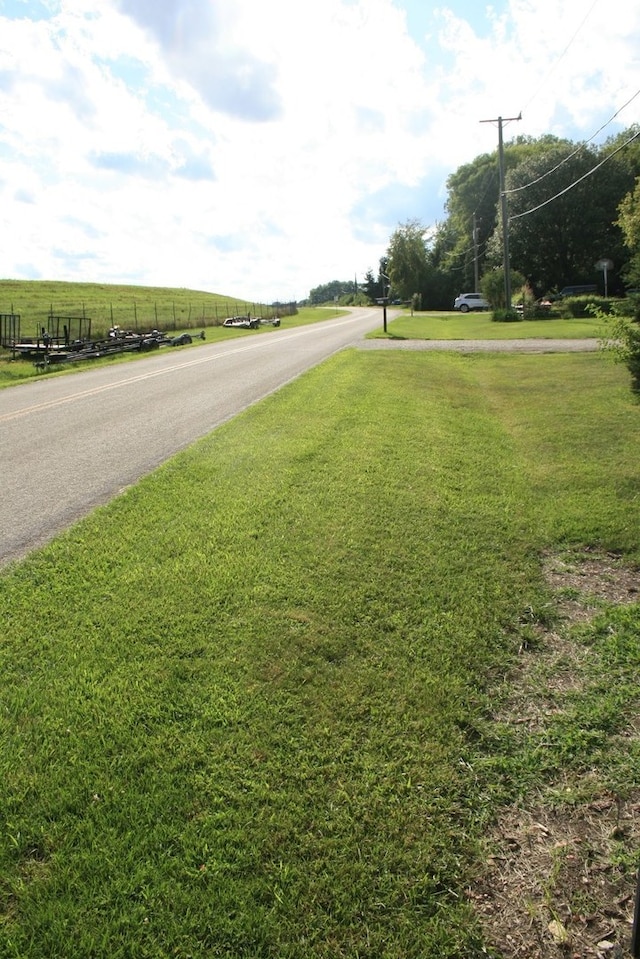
476 279
503 207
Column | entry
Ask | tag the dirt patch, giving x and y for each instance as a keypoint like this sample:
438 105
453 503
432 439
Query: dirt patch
552 887
555 883
583 582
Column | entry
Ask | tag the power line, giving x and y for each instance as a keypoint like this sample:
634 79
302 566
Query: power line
555 64
518 189
517 216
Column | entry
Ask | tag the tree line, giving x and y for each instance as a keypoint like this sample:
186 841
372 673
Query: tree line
570 206
565 204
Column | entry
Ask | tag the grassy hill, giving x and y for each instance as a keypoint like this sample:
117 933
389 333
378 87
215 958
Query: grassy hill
131 307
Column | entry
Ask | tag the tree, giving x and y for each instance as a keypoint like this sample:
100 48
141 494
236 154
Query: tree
329 292
370 286
375 288
408 264
493 286
625 325
629 223
472 204
562 215
473 208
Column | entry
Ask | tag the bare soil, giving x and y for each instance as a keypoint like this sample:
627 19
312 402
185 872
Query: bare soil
554 885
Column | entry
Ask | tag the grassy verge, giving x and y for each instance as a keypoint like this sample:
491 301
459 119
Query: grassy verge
248 708
479 326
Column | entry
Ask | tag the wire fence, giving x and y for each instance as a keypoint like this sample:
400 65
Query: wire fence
79 325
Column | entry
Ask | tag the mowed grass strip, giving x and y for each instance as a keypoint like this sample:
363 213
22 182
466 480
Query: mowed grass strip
243 703
481 326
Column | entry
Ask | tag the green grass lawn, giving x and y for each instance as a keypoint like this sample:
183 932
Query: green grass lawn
480 326
248 707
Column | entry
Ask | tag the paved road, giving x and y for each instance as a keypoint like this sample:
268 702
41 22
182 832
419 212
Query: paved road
68 444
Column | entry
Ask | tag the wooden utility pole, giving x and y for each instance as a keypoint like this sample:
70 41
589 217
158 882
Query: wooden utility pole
503 207
476 278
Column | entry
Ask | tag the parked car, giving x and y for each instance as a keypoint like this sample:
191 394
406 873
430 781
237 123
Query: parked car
470 301
581 289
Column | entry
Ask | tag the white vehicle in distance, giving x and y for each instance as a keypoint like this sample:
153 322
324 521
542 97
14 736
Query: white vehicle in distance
470 301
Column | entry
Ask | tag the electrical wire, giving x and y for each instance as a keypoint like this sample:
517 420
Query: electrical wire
517 216
555 64
519 189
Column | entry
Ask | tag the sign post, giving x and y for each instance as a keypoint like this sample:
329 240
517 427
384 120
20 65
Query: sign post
605 265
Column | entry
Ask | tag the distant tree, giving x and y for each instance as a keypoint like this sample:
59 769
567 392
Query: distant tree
329 292
370 286
373 287
492 286
408 262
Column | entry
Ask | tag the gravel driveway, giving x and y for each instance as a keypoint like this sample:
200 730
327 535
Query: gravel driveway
486 346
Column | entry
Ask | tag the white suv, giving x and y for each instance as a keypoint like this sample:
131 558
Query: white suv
470 301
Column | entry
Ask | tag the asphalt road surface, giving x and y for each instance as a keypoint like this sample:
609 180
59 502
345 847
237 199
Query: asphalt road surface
72 443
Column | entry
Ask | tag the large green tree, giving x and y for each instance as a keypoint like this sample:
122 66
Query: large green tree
625 326
473 201
473 192
562 204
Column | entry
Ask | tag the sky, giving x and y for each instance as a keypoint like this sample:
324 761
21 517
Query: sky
259 149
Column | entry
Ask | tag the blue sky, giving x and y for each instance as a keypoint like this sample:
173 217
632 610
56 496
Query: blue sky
258 149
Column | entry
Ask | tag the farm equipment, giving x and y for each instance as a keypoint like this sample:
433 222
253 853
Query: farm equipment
48 350
249 322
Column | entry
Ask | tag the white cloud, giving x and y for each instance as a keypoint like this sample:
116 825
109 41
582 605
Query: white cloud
260 149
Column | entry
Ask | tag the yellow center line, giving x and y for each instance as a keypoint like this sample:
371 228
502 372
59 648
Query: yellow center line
140 377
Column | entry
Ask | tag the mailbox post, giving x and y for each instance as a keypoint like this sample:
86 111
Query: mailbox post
385 300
